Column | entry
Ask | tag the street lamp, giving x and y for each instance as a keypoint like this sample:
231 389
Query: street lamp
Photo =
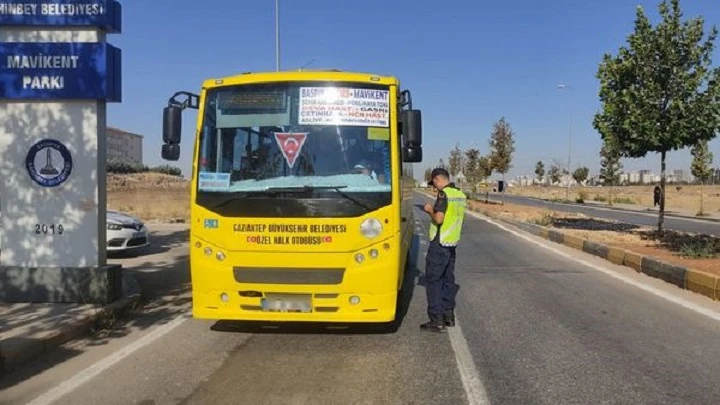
277 35
562 86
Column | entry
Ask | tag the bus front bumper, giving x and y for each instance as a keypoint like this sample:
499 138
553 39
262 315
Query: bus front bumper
309 307
302 287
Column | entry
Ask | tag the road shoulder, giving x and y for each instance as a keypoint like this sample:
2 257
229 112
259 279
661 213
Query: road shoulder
36 329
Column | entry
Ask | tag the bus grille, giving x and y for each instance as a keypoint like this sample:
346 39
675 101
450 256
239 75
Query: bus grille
272 275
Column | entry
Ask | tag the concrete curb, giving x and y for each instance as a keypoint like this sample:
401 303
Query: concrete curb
682 277
16 351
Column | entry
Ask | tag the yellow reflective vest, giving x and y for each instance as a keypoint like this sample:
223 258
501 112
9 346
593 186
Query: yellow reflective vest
451 228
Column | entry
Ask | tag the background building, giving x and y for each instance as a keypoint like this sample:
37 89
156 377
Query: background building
124 146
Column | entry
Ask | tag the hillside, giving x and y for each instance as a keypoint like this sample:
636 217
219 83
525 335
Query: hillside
140 181
149 196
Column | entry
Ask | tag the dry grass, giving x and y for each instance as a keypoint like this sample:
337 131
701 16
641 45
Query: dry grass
145 181
686 199
671 247
149 196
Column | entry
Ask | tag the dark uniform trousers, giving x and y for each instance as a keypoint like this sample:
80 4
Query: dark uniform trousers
440 279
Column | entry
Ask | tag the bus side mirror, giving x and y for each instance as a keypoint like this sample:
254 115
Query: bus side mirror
412 128
412 154
171 152
172 125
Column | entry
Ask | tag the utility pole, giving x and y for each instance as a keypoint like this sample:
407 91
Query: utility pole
277 35
562 86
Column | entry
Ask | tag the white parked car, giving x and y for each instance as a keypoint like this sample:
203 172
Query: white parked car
125 232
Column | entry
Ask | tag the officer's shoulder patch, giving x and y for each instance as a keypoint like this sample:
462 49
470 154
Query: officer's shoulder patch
441 194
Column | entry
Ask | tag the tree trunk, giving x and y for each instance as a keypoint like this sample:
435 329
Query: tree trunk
702 182
661 217
504 187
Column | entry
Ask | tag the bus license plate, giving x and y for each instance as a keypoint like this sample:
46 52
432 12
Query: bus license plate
287 304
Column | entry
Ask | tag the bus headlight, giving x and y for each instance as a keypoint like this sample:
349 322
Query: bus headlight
371 228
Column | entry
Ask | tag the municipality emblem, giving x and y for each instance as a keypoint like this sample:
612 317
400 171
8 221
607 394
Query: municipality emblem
48 163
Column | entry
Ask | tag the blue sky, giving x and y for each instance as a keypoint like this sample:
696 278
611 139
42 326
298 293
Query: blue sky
467 63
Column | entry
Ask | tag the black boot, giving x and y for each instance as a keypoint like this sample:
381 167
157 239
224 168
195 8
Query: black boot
449 318
435 324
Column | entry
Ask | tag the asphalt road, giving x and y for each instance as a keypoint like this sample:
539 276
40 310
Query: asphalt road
637 218
540 328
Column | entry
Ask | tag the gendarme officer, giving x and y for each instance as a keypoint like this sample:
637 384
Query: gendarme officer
446 222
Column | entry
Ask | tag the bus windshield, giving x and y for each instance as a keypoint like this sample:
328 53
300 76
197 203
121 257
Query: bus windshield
296 136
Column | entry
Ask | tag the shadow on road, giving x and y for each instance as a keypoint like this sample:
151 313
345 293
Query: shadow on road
403 304
48 361
165 295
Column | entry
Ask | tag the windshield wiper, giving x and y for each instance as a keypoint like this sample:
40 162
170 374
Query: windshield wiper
275 190
300 189
225 202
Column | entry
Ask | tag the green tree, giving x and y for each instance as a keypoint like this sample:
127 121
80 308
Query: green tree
167 169
610 166
123 167
502 147
660 93
455 161
554 173
428 175
485 167
471 167
581 174
540 170
701 166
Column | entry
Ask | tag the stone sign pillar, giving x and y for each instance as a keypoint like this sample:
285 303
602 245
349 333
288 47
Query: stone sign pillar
57 72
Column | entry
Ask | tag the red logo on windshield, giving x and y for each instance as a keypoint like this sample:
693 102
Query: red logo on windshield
290 145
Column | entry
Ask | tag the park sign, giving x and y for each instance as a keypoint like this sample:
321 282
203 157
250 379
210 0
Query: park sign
57 74
52 70
102 14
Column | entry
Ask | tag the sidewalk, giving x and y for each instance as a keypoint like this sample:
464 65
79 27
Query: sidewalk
29 330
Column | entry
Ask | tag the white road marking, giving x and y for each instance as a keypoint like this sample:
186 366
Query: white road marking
469 375
714 315
84 376
472 384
